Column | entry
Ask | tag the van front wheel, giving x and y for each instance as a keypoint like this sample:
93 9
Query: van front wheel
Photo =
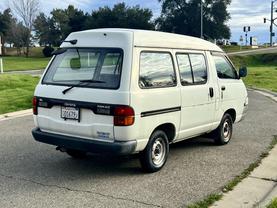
154 156
223 134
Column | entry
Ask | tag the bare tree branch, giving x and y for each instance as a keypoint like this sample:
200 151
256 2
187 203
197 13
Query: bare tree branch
27 10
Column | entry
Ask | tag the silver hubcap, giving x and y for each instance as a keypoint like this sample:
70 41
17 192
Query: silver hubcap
158 152
226 131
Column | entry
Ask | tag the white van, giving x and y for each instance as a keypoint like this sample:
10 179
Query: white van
122 91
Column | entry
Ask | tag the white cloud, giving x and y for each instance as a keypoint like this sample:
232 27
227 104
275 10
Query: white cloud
250 13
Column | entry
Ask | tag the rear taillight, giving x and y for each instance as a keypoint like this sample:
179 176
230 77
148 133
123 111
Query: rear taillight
124 116
35 106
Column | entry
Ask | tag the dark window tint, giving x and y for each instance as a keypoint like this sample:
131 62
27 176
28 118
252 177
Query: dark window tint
224 69
156 70
185 69
199 68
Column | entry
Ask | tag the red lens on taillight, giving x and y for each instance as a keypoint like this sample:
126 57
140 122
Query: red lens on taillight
124 116
35 106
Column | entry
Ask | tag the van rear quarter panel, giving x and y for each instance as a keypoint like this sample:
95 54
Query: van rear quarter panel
145 100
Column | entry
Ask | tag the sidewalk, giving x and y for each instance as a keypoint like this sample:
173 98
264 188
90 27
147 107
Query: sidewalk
16 114
260 187
257 190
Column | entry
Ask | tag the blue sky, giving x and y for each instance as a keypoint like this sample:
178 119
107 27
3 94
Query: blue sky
243 13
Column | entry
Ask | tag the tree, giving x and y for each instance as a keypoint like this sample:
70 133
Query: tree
46 32
27 10
5 26
183 17
68 20
121 16
54 29
18 36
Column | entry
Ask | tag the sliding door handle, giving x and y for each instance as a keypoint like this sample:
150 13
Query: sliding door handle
211 91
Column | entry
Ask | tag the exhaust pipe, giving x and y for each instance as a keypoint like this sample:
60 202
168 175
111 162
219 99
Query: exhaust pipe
62 149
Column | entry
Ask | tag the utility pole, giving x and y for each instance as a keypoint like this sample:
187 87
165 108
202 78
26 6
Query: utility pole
201 19
272 23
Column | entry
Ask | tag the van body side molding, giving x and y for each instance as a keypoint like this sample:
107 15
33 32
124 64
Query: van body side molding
161 111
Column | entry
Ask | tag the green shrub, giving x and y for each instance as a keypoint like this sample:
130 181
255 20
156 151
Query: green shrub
47 51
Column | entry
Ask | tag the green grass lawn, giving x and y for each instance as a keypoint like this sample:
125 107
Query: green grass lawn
16 92
262 70
22 63
273 204
262 77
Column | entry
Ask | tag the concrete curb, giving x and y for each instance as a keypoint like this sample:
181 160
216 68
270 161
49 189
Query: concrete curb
266 93
258 189
16 114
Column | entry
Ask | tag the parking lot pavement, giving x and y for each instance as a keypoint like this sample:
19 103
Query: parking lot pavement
36 175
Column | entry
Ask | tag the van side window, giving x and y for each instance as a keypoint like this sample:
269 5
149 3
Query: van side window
156 70
185 69
224 69
199 68
193 69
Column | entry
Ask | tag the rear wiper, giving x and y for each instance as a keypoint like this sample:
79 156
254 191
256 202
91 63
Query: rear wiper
82 83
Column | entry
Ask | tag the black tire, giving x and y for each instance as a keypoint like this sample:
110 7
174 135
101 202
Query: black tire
223 134
77 154
152 163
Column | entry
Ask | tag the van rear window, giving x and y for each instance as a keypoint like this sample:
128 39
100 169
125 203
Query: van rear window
95 68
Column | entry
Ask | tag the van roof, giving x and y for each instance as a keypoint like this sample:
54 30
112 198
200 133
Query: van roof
151 39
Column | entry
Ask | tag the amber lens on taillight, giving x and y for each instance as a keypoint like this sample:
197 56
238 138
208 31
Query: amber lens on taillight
124 116
35 107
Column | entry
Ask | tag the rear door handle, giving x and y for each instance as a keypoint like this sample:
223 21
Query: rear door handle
223 88
211 90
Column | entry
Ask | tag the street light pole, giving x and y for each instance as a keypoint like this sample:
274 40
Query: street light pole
271 23
201 18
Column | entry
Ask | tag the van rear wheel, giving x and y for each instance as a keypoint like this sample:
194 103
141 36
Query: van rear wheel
77 154
223 133
154 156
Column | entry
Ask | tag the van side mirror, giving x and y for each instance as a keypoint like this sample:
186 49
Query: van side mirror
243 71
75 63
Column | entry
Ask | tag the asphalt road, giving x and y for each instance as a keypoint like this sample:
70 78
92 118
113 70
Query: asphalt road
255 51
36 175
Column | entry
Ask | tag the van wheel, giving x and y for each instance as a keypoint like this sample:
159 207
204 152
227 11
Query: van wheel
223 133
76 153
154 156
